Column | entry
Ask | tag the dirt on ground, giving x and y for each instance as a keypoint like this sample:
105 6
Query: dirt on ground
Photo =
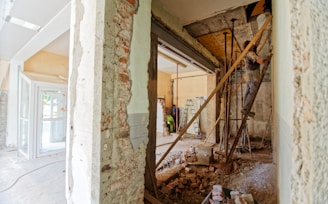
192 183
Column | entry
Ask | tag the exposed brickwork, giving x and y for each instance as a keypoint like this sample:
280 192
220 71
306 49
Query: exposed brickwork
121 163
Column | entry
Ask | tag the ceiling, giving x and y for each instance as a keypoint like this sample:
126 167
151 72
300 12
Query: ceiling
205 20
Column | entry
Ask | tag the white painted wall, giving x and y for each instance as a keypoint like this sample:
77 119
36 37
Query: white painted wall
84 102
283 91
139 60
300 100
138 105
4 69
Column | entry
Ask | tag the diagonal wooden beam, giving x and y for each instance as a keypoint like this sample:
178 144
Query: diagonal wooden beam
217 88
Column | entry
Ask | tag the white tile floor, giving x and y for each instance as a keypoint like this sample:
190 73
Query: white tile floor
36 181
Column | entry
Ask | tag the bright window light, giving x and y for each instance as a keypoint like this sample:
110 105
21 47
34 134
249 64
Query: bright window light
22 23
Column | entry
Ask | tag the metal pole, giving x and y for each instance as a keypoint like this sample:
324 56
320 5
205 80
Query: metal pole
232 37
177 105
226 122
236 75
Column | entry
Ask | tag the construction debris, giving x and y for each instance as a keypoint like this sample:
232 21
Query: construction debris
193 183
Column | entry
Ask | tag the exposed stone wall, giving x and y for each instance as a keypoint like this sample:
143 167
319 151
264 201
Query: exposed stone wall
3 117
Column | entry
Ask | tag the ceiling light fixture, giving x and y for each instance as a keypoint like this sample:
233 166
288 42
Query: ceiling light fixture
22 23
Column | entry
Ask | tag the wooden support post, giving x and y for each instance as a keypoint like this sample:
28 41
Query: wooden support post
152 97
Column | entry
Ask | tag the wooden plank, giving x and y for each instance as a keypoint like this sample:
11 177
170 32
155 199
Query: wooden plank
151 198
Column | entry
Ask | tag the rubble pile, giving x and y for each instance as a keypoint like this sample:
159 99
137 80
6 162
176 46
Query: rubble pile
193 183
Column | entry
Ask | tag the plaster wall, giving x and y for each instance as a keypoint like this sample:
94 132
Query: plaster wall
84 102
108 124
309 180
301 106
164 87
283 91
138 114
211 109
47 63
318 96
190 85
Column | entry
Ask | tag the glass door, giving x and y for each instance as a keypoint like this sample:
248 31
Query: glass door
51 120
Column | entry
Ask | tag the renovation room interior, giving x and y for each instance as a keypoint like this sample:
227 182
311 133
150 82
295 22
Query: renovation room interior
101 96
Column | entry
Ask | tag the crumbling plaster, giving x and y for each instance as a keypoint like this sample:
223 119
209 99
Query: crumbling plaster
102 165
300 99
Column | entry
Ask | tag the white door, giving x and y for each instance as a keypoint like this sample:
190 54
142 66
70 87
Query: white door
52 114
